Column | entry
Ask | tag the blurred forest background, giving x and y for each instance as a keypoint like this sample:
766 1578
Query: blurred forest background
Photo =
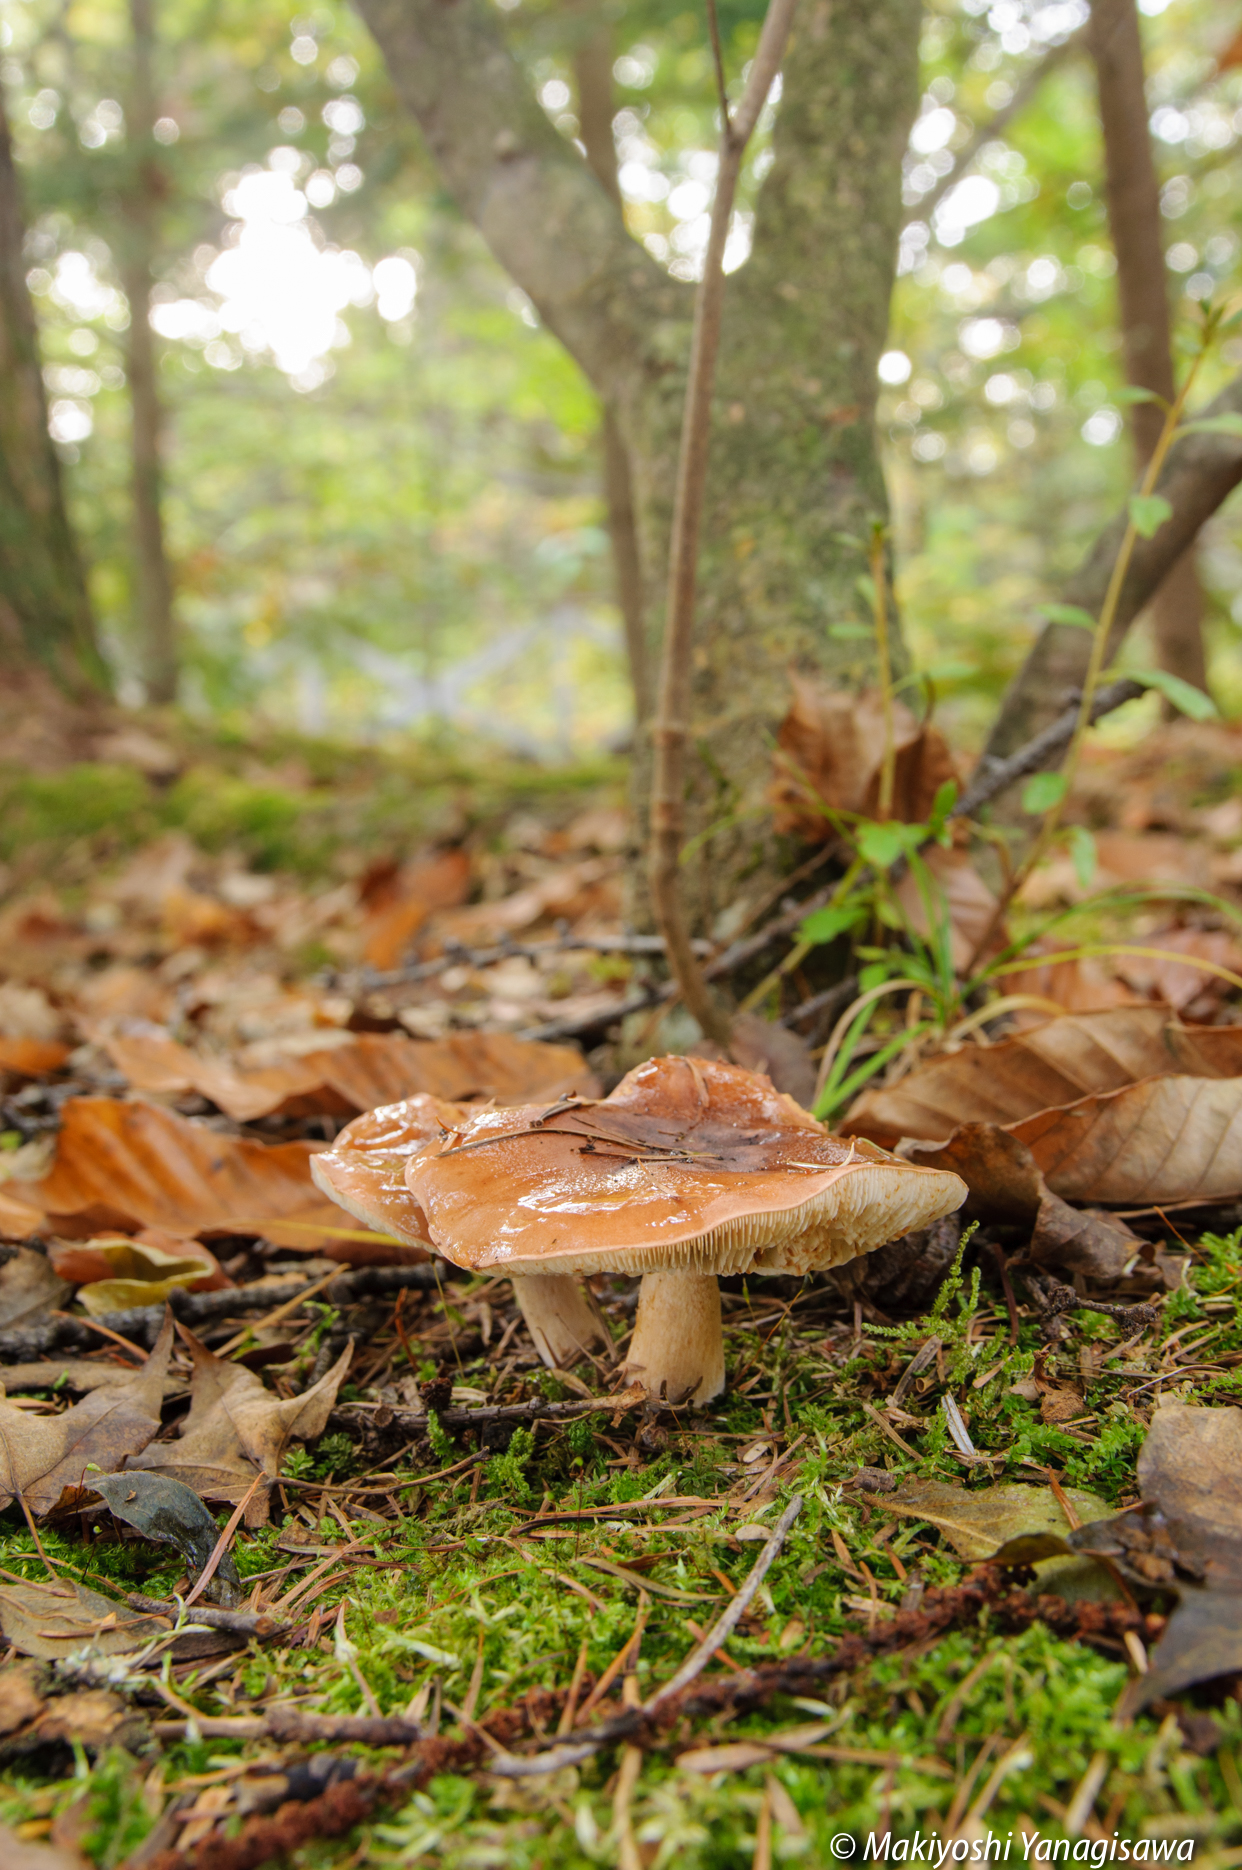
382 489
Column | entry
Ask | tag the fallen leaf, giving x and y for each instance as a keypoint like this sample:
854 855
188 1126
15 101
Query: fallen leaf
237 1428
42 1457
1006 1183
78 1373
133 1272
28 1288
965 900
18 1853
978 1521
165 1509
18 1219
406 902
1187 1538
51 1620
1177 983
1056 1063
20 1700
31 1058
130 1164
366 1071
829 749
782 1056
1159 1141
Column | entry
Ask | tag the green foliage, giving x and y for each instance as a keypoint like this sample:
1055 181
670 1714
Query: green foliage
298 1464
335 1454
508 1470
440 1439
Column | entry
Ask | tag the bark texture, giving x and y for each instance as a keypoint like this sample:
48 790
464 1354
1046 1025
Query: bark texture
794 462
1133 191
593 76
153 591
45 615
1199 475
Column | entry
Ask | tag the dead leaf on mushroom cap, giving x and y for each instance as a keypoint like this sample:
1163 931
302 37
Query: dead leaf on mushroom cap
43 1457
364 1169
689 1163
1051 1065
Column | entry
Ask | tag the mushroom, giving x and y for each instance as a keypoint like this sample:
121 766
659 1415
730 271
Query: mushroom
364 1173
689 1169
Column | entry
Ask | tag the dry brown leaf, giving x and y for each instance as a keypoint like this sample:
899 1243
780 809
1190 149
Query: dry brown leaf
366 1071
782 1056
20 1700
1056 1063
978 1521
31 1058
1160 1141
19 1218
150 1255
237 1428
1005 1184
1080 986
830 748
1187 1538
966 899
1177 983
50 1620
406 902
29 1286
42 1457
122 1164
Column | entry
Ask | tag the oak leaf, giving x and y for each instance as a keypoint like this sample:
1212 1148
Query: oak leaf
237 1428
43 1457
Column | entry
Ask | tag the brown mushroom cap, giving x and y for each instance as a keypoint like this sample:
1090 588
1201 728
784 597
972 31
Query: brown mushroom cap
689 1164
364 1170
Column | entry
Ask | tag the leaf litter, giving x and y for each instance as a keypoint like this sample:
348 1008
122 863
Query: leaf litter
402 1436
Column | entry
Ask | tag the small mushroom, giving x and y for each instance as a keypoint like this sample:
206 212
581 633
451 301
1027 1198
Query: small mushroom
364 1172
689 1169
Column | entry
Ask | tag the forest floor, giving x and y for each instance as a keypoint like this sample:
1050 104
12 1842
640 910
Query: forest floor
214 955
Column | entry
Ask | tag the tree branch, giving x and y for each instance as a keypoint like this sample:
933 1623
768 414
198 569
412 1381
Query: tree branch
1199 475
543 214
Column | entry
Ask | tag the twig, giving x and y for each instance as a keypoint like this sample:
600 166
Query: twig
993 776
457 955
222 1543
248 1623
670 731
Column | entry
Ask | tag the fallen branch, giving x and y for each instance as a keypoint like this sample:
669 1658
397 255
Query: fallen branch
993 776
249 1623
456 954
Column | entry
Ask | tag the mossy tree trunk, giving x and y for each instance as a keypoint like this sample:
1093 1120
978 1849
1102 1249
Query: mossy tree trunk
795 474
45 615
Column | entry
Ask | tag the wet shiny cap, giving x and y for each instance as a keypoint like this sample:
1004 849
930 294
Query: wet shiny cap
689 1164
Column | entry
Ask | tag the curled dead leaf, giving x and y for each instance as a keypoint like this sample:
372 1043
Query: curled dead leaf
829 750
1055 1063
44 1457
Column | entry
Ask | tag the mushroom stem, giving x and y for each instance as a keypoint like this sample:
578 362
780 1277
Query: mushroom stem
677 1350
558 1317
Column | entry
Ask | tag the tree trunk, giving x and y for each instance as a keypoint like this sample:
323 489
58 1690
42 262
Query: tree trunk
153 594
593 75
45 614
794 463
1134 221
